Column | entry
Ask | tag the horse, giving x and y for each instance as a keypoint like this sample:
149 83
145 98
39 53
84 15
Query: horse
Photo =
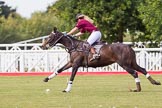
118 53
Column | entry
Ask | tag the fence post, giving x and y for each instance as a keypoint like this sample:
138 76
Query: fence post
46 62
142 59
21 62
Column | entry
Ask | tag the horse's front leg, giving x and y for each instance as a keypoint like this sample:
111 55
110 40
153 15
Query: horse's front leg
66 66
74 71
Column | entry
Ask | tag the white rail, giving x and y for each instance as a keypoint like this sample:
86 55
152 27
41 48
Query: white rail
31 58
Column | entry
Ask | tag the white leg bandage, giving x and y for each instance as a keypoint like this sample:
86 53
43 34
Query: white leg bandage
137 80
69 86
53 75
147 75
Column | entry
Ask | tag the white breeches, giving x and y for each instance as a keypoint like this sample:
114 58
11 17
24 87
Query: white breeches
94 37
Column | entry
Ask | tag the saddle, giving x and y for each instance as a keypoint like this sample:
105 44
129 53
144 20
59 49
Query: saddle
97 45
86 49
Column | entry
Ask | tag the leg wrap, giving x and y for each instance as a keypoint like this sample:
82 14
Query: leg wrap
53 75
147 75
69 86
137 80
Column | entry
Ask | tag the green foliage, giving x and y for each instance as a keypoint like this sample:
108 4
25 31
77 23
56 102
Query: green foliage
14 28
63 10
151 14
112 17
8 28
39 24
142 18
18 29
6 10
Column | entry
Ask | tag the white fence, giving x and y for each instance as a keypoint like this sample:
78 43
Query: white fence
31 58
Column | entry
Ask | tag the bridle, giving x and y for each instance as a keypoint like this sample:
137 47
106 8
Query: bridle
53 44
72 48
68 49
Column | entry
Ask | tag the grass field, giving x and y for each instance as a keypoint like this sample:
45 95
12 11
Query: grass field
109 91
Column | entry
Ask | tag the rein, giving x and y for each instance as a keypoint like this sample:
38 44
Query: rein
68 49
72 48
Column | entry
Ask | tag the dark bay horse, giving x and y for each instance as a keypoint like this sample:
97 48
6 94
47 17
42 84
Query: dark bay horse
110 53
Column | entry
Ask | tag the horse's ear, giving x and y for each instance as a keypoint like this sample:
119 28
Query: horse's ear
54 29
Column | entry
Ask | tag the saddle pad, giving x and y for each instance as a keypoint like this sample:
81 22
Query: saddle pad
97 48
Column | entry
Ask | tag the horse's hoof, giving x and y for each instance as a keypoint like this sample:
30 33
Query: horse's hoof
131 90
64 91
134 90
157 83
46 79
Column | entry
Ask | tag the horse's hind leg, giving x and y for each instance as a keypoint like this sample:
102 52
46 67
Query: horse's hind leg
135 75
143 71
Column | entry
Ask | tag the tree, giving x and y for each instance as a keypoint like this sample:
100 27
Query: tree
8 25
9 29
40 24
112 17
5 10
150 14
15 29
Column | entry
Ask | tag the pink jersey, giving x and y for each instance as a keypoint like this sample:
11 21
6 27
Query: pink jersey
85 26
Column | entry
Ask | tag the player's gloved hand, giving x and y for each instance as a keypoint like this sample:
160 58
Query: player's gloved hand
65 34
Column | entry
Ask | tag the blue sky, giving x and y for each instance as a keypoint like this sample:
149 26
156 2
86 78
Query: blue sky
26 7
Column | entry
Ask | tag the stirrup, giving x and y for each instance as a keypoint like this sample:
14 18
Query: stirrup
95 56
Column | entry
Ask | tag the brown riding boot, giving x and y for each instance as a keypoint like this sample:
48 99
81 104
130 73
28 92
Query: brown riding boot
95 55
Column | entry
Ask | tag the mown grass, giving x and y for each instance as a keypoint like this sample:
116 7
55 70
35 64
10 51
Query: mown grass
111 91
